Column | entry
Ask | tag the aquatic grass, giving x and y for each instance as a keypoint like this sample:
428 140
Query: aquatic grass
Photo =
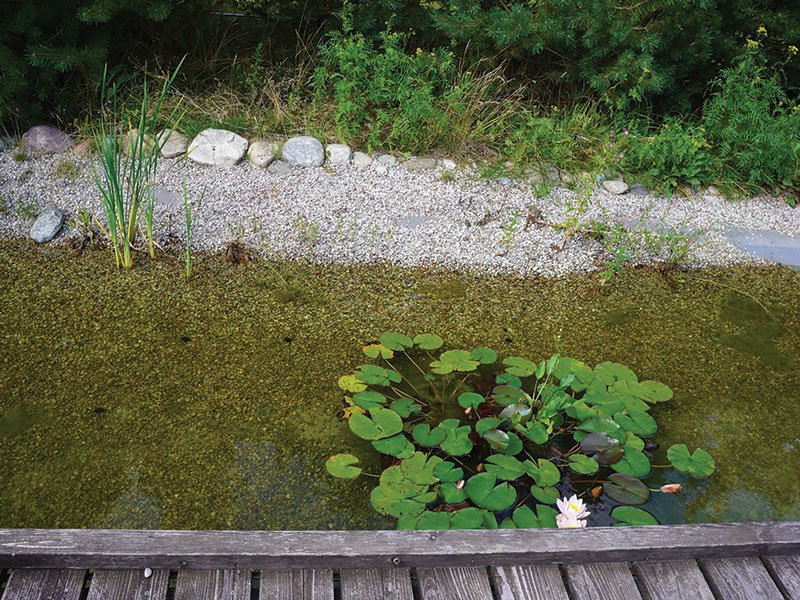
128 166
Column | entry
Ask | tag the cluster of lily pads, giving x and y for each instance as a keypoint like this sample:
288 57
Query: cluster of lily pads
473 442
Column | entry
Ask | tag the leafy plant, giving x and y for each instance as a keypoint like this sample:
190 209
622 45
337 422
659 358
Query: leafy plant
473 441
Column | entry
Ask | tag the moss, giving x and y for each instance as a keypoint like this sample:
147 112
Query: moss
142 399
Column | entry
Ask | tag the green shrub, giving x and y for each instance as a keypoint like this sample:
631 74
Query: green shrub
752 124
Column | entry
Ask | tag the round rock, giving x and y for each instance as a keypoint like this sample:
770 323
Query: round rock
261 153
361 160
419 164
386 159
279 167
45 139
173 143
303 151
615 186
47 224
217 147
339 154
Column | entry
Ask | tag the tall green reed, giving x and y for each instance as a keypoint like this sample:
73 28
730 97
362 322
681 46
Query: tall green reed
128 166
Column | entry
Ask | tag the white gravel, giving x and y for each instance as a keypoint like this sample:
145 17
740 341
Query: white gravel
343 214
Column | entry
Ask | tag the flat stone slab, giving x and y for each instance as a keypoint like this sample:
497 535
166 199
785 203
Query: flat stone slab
217 147
45 139
769 245
47 224
303 151
166 197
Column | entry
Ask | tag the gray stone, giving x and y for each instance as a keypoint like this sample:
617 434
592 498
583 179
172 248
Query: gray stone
387 159
638 189
419 164
766 244
47 224
279 167
217 147
448 165
303 151
165 197
615 186
45 139
361 160
504 180
261 153
380 168
173 143
414 221
338 154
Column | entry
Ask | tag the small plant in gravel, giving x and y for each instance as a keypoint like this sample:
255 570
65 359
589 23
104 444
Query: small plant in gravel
471 442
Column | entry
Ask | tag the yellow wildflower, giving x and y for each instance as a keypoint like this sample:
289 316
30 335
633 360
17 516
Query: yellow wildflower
752 43
762 30
792 50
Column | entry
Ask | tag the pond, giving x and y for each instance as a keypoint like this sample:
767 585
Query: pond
142 400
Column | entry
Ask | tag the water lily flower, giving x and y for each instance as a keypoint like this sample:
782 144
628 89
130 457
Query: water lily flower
572 507
671 488
460 484
569 522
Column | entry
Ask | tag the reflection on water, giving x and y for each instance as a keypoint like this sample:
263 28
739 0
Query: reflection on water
143 400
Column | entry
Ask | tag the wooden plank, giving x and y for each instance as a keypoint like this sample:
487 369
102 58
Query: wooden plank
601 581
457 583
536 582
129 584
296 584
739 579
367 584
671 580
115 549
785 571
45 584
194 584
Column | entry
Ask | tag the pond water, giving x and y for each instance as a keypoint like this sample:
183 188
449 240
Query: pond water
142 400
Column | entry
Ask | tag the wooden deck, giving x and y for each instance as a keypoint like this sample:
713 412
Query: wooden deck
759 561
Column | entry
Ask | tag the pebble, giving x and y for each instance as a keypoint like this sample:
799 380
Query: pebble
361 160
615 186
338 154
386 159
261 153
47 225
173 143
279 167
419 164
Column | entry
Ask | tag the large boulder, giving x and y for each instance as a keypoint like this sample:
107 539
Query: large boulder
217 147
47 224
303 151
44 139
173 143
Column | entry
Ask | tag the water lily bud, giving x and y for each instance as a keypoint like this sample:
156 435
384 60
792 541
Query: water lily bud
596 491
671 488
468 410
460 484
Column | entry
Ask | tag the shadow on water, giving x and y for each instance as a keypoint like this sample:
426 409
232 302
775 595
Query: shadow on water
142 400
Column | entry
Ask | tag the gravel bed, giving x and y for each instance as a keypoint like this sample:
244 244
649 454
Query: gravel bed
346 215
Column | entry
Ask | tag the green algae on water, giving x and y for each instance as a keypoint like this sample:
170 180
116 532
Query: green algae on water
141 399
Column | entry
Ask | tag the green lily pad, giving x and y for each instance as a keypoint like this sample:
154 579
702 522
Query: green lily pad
508 379
484 491
396 445
485 356
582 464
580 411
597 441
451 494
484 425
369 399
447 471
405 407
521 367
343 466
545 495
468 518
625 489
629 515
376 350
433 520
456 441
351 383
637 422
543 472
427 437
609 426
633 462
504 467
375 375
610 455
544 517
470 400
428 341
534 431
419 468
383 423
518 413
654 391
454 360
514 445
395 340
698 464
498 440
611 372
508 394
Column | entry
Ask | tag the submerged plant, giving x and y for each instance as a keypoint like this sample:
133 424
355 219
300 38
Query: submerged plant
127 168
471 442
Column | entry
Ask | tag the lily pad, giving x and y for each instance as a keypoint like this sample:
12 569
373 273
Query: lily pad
351 383
514 445
468 518
508 394
534 431
637 422
597 441
698 464
629 515
454 360
633 462
543 472
486 424
521 367
428 341
504 467
382 423
376 350
343 466
484 491
470 400
545 495
456 441
375 375
626 489
395 340
508 379
498 440
396 445
419 468
451 494
544 517
611 372
447 471
405 407
433 520
485 356
580 463
518 413
369 399
427 437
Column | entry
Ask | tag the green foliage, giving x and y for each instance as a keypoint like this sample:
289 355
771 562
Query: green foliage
482 441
